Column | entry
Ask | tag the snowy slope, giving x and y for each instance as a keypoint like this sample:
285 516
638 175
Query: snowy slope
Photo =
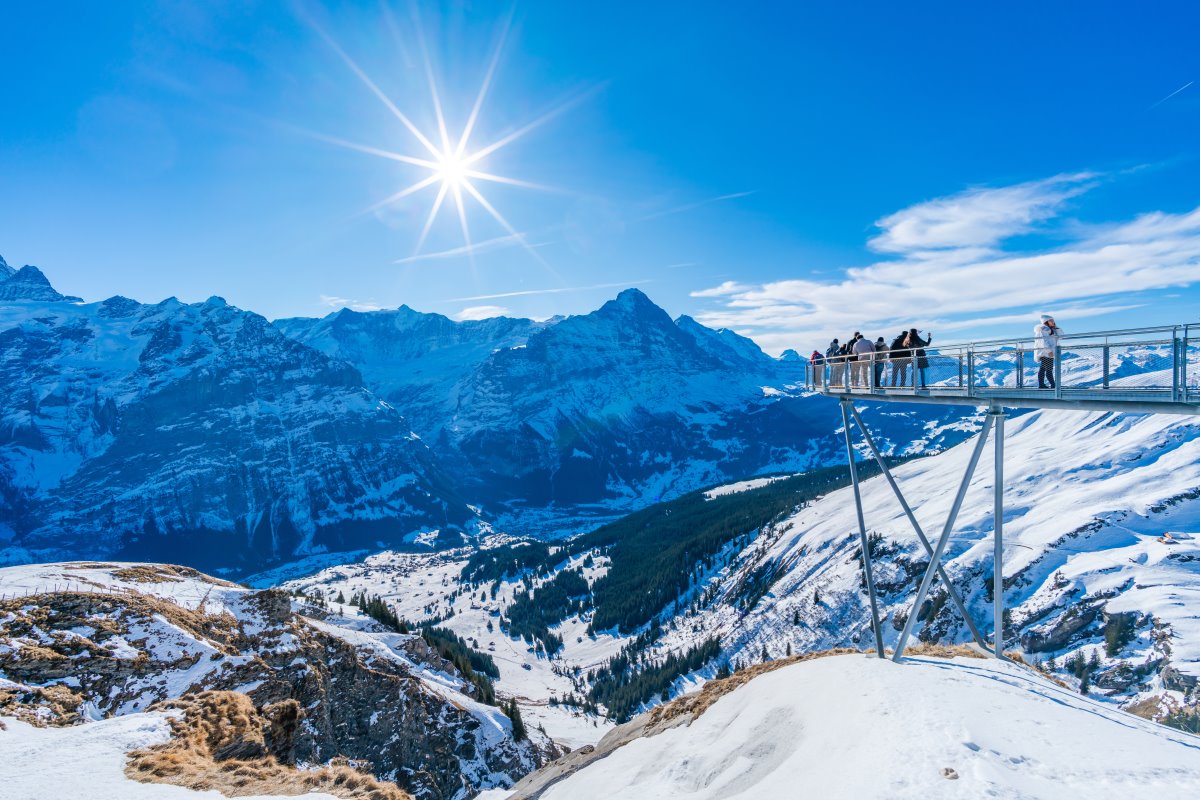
421 586
137 634
33 761
1088 498
854 727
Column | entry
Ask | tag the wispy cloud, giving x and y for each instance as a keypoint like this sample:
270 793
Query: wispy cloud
354 305
950 267
978 217
690 206
560 290
481 312
487 245
1168 97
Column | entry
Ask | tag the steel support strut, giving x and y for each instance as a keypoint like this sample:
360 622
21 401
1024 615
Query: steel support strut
936 559
998 543
912 519
862 532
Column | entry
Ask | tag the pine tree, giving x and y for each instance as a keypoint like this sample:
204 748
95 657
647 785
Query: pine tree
518 726
765 655
341 598
789 649
816 597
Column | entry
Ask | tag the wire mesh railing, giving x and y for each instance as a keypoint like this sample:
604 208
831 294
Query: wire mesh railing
1157 364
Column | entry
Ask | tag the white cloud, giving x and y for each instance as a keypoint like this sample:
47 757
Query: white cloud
354 305
951 272
481 312
978 217
724 290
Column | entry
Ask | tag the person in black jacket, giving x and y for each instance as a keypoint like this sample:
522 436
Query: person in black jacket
880 354
900 359
918 346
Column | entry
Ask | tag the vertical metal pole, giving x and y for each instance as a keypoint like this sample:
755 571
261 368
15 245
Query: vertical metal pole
887 473
1057 371
970 373
943 539
1106 363
998 544
1020 367
1175 381
1183 359
862 533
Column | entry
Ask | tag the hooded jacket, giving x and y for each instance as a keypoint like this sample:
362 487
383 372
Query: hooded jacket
1045 339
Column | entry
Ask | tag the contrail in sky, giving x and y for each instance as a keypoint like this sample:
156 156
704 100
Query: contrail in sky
1172 94
544 291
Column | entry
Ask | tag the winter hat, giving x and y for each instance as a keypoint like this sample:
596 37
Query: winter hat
1047 317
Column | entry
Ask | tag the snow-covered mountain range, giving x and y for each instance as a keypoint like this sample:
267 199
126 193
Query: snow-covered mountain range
204 434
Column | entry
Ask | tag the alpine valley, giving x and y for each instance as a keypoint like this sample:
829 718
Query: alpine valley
517 558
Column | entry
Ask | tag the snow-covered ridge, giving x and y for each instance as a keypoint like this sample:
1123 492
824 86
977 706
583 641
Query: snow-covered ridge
852 727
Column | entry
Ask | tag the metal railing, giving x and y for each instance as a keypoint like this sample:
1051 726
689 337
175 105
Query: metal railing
1140 369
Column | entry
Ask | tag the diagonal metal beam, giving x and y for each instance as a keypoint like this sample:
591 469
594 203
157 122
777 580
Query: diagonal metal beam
936 559
941 571
862 534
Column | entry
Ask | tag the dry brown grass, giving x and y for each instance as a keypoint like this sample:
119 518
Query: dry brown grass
222 744
41 706
164 573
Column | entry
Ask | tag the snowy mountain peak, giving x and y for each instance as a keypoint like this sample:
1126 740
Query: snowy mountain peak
634 301
29 283
5 269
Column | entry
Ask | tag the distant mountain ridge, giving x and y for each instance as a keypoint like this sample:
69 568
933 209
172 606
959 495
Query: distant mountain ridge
205 434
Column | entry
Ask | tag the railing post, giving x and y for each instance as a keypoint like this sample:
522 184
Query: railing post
1106 363
1057 371
1183 363
1020 367
960 369
970 373
1175 378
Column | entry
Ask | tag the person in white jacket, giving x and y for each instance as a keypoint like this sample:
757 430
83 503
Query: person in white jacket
1045 342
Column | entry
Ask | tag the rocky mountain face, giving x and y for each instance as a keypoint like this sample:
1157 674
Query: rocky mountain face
593 415
28 283
195 432
102 640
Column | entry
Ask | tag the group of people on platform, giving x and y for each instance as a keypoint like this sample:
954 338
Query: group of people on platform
864 363
859 362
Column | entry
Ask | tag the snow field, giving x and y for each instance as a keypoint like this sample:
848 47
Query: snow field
857 727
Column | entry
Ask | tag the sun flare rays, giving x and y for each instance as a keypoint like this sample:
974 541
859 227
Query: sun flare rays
451 164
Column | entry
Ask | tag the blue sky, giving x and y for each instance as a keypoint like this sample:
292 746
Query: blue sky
793 171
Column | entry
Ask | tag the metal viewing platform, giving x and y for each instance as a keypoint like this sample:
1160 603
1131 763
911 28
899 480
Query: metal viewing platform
1141 370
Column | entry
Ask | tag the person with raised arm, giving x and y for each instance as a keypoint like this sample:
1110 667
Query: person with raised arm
1045 342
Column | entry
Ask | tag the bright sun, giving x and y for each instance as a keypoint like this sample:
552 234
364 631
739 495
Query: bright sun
452 169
